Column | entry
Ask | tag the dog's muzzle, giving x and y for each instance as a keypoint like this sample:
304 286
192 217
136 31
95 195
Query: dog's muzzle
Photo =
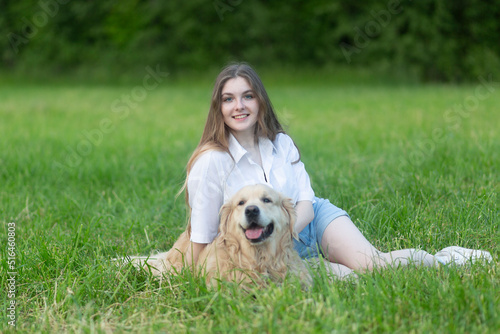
256 233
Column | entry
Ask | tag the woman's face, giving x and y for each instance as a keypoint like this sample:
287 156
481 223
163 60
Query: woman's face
239 107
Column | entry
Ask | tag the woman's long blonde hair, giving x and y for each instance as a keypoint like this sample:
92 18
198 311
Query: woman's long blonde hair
216 133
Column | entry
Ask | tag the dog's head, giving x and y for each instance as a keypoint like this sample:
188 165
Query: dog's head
257 214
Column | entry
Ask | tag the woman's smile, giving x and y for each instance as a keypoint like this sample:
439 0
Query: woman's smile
240 117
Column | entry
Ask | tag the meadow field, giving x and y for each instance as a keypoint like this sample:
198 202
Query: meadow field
89 172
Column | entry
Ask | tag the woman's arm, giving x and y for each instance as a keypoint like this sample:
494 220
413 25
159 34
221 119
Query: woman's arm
205 197
303 208
305 214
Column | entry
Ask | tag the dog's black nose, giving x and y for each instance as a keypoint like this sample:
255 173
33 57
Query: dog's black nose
252 211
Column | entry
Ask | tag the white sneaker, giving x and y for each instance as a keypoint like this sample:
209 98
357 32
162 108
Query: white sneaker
461 256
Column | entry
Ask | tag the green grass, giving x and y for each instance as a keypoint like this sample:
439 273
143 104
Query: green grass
408 176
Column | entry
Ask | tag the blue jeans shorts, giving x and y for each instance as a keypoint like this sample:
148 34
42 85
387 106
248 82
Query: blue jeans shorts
309 243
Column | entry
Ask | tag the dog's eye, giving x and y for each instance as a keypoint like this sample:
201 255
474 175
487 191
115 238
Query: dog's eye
266 200
241 202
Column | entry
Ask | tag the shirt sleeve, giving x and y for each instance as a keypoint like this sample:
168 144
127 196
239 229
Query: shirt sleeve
306 193
205 198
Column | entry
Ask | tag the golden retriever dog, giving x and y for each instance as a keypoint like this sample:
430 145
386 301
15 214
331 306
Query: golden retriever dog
254 243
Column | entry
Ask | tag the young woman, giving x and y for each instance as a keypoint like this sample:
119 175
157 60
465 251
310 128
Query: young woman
243 143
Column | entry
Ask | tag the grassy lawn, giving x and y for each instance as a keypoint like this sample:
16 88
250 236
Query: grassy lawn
90 172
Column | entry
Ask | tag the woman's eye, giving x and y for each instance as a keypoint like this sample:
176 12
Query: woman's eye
227 99
249 97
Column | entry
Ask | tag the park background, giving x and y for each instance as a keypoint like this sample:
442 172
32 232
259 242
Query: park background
393 104
448 41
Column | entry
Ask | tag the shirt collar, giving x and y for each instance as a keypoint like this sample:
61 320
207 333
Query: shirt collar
237 151
266 147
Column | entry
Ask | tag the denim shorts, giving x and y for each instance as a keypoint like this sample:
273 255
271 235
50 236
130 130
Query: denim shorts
309 243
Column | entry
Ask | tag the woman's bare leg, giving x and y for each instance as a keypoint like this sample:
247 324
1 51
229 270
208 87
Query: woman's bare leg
344 244
336 270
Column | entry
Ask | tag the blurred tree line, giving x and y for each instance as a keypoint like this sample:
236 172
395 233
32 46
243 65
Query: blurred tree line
429 39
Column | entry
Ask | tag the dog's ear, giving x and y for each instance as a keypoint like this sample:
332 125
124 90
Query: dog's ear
224 214
289 210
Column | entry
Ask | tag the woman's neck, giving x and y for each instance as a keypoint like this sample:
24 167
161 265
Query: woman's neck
251 144
248 141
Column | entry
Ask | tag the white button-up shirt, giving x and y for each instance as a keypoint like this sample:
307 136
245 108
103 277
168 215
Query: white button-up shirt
215 177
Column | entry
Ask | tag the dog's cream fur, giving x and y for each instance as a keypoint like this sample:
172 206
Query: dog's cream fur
234 257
